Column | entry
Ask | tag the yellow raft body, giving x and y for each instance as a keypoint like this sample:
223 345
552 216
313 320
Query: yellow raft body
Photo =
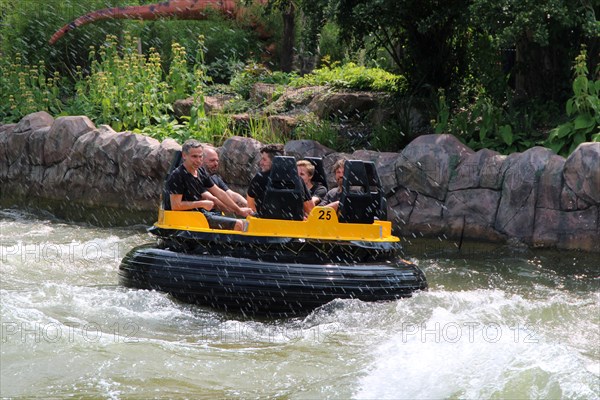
321 224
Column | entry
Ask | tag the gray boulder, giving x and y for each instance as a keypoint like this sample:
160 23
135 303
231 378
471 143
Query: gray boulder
62 136
34 121
5 138
347 105
516 211
567 229
492 172
37 144
15 142
426 164
471 213
582 174
469 172
166 152
306 148
551 180
400 206
239 158
294 100
426 218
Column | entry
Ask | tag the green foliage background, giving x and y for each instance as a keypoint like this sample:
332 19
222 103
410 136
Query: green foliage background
499 74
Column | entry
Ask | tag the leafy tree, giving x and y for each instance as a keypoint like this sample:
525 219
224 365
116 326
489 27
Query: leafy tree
425 38
288 12
312 16
544 36
287 8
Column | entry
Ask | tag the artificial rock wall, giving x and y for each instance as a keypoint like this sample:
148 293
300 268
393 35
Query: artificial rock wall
436 186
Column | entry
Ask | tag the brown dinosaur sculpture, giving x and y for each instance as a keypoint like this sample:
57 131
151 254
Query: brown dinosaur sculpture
182 9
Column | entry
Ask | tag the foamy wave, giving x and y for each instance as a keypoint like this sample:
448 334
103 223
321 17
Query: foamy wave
469 347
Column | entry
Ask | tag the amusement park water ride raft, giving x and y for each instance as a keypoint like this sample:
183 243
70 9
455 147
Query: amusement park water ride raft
280 264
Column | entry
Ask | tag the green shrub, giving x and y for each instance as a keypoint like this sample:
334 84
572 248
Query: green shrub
213 129
252 73
388 137
352 76
128 90
166 127
237 106
27 25
223 69
583 109
179 77
242 81
225 43
329 44
481 123
200 82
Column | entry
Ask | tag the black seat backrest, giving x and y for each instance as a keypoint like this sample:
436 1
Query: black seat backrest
284 193
379 200
319 175
166 197
356 202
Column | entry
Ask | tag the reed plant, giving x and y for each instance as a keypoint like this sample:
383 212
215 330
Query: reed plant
200 81
124 89
312 128
261 129
26 89
179 79
215 129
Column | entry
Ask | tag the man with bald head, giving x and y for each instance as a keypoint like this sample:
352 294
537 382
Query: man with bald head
211 165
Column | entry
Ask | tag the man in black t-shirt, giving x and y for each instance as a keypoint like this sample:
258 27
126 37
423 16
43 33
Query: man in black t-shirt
191 188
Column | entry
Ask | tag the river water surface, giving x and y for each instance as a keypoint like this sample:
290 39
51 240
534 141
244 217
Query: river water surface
497 322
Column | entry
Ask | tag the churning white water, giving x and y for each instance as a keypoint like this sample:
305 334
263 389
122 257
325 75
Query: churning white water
496 323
